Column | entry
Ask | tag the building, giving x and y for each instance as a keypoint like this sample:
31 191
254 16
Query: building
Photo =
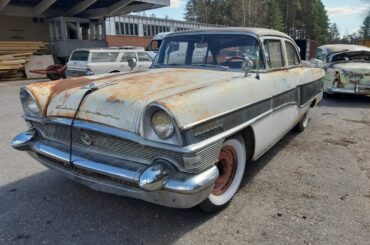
28 19
66 24
135 30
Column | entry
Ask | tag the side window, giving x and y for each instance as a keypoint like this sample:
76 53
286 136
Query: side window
144 57
175 53
128 55
274 54
292 54
104 57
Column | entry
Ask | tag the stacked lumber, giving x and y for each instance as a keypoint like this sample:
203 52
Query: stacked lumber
14 56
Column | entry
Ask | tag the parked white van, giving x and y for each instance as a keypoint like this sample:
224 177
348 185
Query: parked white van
84 62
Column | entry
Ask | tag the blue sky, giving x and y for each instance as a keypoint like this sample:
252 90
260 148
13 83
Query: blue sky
348 14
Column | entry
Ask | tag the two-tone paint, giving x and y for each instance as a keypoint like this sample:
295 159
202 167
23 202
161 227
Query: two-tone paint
207 107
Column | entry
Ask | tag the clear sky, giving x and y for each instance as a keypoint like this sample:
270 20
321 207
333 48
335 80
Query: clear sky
348 14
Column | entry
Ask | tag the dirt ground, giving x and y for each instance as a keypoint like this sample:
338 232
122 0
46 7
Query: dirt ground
311 188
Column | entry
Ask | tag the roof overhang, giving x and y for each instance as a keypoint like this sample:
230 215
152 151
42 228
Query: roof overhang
92 9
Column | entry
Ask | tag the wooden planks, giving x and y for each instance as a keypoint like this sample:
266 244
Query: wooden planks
14 56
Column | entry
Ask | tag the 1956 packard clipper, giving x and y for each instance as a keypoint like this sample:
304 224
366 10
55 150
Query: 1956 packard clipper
347 68
180 134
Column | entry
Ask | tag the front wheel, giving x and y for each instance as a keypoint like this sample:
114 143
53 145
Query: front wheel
231 166
302 125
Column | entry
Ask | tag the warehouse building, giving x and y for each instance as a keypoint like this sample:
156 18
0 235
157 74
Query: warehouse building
135 30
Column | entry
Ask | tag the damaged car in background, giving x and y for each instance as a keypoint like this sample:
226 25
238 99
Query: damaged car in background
180 134
347 68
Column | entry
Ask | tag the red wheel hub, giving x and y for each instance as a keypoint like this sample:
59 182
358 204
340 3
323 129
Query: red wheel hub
227 163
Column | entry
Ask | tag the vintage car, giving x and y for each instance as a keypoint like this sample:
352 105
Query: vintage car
180 134
347 68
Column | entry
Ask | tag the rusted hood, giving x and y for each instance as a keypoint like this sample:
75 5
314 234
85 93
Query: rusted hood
121 99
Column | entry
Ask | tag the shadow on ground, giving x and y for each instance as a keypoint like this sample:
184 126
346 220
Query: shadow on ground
47 208
346 101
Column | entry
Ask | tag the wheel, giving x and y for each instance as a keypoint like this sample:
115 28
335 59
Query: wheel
231 166
302 125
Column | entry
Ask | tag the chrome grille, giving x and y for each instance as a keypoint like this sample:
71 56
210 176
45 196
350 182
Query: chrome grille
106 144
114 146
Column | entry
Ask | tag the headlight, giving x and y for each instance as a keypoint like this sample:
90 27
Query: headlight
162 125
29 104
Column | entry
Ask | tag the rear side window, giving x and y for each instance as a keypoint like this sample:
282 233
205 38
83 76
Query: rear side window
104 57
80 56
292 54
144 57
274 54
128 55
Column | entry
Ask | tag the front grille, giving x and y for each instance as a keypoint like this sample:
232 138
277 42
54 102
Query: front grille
121 148
106 144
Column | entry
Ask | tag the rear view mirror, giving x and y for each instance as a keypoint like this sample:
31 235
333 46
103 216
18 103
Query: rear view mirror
132 63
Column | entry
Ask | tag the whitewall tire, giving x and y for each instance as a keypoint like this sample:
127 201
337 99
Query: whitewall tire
231 165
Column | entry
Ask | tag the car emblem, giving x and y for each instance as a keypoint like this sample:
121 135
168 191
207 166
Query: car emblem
86 139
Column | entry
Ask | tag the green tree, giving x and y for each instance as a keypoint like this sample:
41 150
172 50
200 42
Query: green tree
275 18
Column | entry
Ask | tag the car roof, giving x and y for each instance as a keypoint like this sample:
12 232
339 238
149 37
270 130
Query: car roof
253 31
117 49
331 48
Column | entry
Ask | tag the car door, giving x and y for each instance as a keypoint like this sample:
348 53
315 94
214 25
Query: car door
127 55
283 95
144 61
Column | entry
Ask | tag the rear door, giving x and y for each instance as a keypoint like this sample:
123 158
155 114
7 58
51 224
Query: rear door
127 55
144 61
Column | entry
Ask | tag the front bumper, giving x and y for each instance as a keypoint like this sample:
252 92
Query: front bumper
158 183
356 89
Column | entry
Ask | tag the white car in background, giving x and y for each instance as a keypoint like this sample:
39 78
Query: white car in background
155 44
84 62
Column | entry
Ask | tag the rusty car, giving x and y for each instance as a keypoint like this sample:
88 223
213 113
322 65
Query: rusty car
347 68
181 134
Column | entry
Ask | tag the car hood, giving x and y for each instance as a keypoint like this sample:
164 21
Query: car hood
121 99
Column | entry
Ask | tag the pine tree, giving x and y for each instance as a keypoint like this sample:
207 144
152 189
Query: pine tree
275 18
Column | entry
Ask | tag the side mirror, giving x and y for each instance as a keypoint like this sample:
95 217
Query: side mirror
247 65
132 63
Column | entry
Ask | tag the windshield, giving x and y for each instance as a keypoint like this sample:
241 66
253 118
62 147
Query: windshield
218 51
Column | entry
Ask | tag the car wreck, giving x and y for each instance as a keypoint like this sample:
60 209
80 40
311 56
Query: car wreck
347 68
180 134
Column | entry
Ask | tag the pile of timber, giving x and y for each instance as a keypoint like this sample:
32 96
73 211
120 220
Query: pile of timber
14 55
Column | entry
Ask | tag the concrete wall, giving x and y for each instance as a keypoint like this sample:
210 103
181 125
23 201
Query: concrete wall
23 28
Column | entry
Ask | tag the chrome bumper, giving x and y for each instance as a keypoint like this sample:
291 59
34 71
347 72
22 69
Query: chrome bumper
158 183
357 89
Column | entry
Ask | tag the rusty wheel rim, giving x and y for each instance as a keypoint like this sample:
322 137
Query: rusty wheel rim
226 165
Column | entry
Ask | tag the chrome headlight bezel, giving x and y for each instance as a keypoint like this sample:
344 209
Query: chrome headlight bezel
162 125
29 103
151 132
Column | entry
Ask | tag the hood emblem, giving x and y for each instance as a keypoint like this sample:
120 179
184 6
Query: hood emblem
86 139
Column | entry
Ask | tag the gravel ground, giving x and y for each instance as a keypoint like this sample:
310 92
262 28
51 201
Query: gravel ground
311 188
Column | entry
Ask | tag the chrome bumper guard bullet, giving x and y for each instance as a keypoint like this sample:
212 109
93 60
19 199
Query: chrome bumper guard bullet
158 183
